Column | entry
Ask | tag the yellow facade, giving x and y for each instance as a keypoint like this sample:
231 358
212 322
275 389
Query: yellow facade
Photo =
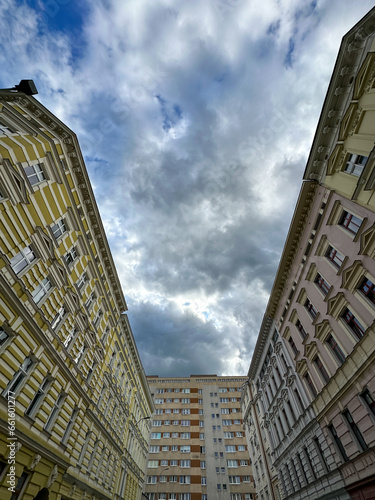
67 352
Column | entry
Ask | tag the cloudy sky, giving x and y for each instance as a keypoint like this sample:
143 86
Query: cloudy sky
195 118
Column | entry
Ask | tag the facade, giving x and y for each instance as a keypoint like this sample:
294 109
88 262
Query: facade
311 390
73 394
198 449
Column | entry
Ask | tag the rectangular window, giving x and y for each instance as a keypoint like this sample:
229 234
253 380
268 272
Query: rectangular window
155 435
37 399
355 164
310 385
184 479
203 464
355 430
321 368
81 280
322 284
152 464
58 318
353 323
301 329
154 449
230 449
334 256
338 442
22 259
185 449
58 229
368 398
35 174
70 256
367 287
350 222
3 336
340 356
232 463
18 377
293 346
41 290
234 480
55 410
184 463
311 309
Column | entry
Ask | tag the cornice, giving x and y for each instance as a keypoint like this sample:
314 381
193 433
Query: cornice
354 48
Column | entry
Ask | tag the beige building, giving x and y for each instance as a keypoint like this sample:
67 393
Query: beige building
73 394
312 377
198 449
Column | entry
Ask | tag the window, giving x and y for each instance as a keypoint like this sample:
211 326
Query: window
174 447
174 463
58 318
201 435
368 289
184 479
152 464
21 484
243 462
310 384
165 448
162 479
203 464
81 280
35 174
155 435
184 463
322 370
225 411
6 128
355 430
340 356
22 259
201 423
301 329
18 377
41 290
166 435
230 449
185 449
368 398
311 309
174 435
204 480
185 423
55 410
334 256
185 391
338 442
37 399
154 449
234 480
322 284
293 346
246 479
70 256
185 411
90 300
232 463
355 164
185 435
241 447
185 401
151 479
58 229
3 336
353 323
350 222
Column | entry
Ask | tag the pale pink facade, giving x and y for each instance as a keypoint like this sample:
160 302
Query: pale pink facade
311 392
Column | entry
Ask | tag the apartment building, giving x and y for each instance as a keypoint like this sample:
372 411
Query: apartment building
311 391
198 448
73 394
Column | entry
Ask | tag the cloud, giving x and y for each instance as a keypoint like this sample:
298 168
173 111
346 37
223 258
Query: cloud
195 120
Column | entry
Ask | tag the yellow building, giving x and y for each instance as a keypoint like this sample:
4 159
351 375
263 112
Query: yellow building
74 398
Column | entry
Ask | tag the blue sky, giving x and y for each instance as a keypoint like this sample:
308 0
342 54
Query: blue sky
195 120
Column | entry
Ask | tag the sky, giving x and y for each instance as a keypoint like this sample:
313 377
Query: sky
195 119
